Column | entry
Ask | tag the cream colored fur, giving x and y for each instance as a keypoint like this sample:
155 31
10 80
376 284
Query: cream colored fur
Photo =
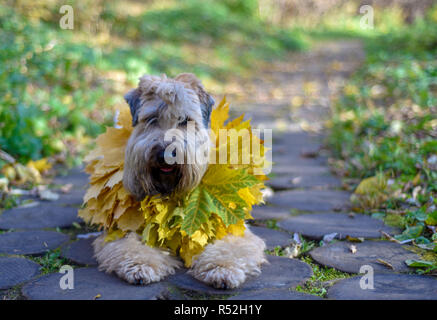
133 261
224 264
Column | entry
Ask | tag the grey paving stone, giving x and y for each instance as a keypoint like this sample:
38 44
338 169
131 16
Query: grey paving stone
80 252
303 181
43 215
296 140
279 273
274 294
311 200
291 168
269 212
72 198
272 238
339 256
316 225
14 271
296 159
31 242
304 150
77 177
88 283
386 287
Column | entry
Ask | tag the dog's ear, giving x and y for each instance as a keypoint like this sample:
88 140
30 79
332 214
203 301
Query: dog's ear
133 100
206 105
206 101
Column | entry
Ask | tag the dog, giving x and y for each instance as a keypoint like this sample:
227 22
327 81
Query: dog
157 105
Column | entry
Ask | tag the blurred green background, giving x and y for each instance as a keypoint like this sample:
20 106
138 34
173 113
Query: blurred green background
59 87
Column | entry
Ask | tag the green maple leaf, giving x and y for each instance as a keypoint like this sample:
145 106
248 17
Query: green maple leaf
218 193
229 205
198 208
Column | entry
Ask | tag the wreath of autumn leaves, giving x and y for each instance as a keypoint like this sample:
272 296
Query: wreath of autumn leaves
184 224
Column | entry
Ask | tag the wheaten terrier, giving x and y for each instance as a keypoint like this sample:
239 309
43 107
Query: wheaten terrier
160 104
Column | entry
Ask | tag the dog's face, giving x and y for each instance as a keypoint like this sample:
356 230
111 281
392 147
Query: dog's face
162 154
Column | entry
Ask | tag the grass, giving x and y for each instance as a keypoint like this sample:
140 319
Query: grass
323 277
51 261
383 131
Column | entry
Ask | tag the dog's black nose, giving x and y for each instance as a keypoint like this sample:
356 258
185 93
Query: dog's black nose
161 156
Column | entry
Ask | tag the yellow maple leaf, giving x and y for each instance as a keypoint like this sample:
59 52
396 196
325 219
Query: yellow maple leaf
200 237
131 220
41 165
114 235
218 116
237 229
371 192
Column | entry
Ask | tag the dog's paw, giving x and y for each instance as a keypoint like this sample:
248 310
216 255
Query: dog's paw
143 273
133 261
221 277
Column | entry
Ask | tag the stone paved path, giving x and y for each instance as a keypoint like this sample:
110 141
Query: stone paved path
293 98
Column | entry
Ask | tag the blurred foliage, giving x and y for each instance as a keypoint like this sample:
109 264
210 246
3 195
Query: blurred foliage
209 38
385 127
57 87
45 97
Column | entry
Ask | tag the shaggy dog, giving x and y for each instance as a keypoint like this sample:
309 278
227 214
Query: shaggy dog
158 105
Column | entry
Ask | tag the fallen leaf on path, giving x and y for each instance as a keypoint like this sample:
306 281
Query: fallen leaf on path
352 239
296 238
353 249
48 195
29 205
296 180
4 182
66 188
385 263
41 165
20 192
88 235
389 237
371 192
329 237
293 251
77 225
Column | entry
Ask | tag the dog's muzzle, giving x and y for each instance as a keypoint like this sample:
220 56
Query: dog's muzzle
165 176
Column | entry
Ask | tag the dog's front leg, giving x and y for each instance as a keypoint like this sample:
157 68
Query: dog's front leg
134 261
226 263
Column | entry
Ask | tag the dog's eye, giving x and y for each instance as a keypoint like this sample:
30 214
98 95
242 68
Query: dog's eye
184 122
151 121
